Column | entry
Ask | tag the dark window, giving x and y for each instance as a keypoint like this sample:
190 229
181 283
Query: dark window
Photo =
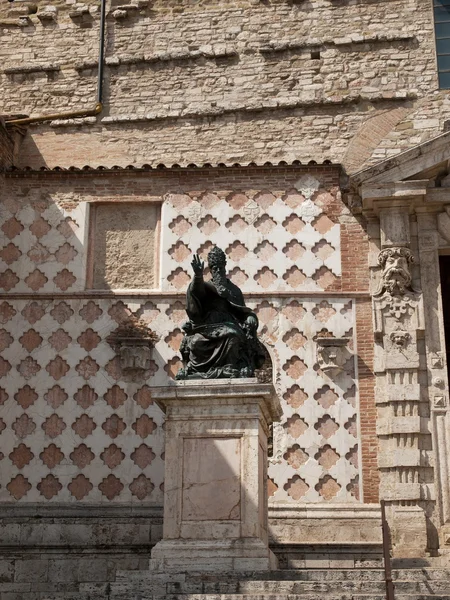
442 33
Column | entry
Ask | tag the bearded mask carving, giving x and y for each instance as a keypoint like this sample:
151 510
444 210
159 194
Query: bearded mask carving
396 277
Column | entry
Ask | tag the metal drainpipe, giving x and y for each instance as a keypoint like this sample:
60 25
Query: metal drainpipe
78 113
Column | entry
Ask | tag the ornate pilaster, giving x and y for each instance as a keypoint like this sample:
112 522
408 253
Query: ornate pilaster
402 420
433 229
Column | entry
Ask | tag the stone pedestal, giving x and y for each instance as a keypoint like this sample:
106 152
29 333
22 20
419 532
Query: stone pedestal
215 498
409 532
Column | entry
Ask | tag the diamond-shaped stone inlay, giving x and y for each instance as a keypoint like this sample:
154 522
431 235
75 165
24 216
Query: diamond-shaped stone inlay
323 250
2 425
173 340
87 367
5 367
25 397
55 396
294 277
173 366
353 488
21 456
295 426
112 456
113 426
352 456
111 487
237 251
351 426
294 367
90 312
180 226
323 311
30 340
49 486
265 224
293 224
64 279
84 426
28 367
12 227
326 397
53 426
6 339
238 276
33 312
38 254
51 456
296 456
8 280
23 426
326 426
57 368
36 280
39 228
7 312
323 224
295 396
143 456
236 225
294 311
294 339
328 487
89 340
208 225
296 487
179 252
67 227
82 456
141 487
294 250
59 340
65 254
19 487
115 396
61 312
144 426
143 397
10 253
80 487
265 251
3 396
179 278
327 457
324 277
85 396
119 312
265 277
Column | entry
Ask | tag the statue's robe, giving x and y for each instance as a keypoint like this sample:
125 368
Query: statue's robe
217 343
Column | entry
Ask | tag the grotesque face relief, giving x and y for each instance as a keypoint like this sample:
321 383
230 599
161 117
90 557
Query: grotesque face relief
396 278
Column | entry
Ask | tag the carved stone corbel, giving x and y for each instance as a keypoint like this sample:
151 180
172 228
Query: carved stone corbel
332 353
133 342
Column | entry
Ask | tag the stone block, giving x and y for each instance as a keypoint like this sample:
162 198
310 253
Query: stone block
32 570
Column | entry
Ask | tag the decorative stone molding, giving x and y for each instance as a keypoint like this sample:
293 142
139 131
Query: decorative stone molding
133 341
332 354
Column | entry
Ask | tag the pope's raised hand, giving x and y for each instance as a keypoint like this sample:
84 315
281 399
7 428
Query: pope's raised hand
197 265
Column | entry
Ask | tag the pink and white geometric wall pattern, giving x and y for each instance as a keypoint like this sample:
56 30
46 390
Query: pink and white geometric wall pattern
75 427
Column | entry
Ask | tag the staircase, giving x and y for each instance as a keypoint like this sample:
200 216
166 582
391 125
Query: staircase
415 579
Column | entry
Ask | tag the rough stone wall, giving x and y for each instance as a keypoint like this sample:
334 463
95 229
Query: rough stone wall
76 428
236 81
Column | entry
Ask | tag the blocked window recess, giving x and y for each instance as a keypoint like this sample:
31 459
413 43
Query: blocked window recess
124 245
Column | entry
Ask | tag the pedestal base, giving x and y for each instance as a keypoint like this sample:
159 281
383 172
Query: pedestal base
215 498
178 556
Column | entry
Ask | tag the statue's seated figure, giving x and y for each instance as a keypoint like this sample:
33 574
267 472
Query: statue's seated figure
220 337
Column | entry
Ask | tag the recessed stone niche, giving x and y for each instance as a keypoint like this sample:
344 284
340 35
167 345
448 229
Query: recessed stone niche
124 245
